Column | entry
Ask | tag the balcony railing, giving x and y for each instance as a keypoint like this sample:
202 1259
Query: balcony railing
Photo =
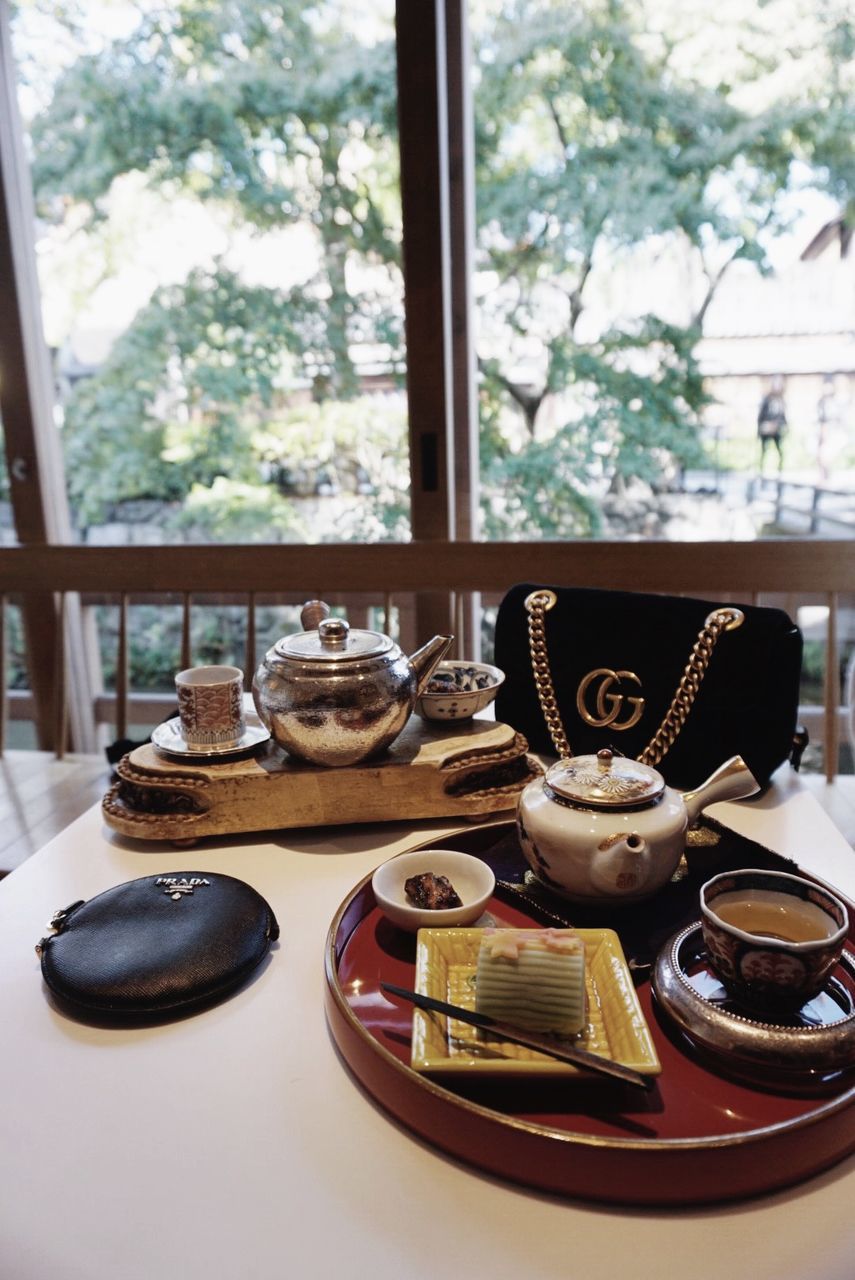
416 587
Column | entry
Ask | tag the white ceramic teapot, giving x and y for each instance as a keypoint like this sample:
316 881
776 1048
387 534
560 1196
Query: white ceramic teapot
606 828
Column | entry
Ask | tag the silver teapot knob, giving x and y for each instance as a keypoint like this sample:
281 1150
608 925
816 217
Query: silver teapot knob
333 633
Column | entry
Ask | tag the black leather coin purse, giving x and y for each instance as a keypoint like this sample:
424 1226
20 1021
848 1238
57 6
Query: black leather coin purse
156 948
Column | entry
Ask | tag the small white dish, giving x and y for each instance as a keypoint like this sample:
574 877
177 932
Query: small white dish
471 878
460 702
168 737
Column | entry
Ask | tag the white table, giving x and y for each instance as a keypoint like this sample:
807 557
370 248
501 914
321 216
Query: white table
235 1144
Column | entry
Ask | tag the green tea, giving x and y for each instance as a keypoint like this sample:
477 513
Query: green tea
786 919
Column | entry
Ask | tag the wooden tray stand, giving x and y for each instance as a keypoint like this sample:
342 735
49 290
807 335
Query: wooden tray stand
468 771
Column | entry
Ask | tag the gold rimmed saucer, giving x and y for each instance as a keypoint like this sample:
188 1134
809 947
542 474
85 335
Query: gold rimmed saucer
168 737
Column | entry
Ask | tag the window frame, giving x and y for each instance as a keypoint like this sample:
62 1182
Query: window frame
437 209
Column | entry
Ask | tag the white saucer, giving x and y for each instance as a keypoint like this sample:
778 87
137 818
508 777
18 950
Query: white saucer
167 737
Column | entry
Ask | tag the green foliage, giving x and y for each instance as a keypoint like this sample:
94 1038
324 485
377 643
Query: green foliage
538 492
634 411
589 143
188 409
16 650
227 101
595 142
645 393
232 511
176 401
257 111
154 637
360 449
278 120
113 441
823 129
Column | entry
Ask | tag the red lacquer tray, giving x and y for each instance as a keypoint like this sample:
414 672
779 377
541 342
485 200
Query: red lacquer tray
698 1136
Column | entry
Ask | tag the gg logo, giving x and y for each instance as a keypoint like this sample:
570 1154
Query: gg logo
608 704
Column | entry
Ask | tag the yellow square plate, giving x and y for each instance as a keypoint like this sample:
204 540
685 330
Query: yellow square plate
446 961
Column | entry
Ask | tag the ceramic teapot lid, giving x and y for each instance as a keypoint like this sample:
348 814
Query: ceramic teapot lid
333 641
604 781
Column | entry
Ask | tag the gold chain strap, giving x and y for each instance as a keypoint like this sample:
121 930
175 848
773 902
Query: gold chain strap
690 682
538 605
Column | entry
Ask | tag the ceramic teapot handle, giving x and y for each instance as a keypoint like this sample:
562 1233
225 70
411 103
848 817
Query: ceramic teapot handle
313 612
732 780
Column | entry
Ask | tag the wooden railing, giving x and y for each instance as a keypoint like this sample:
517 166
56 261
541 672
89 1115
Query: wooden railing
812 507
426 585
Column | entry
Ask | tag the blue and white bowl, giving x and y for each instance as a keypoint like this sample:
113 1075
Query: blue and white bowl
458 690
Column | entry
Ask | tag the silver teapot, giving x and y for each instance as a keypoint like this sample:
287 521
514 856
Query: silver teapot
335 695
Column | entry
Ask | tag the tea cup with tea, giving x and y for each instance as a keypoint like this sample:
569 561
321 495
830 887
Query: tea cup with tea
771 938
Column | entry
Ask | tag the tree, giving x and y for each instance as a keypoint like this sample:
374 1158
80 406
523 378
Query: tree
161 414
829 128
274 122
592 147
254 108
599 147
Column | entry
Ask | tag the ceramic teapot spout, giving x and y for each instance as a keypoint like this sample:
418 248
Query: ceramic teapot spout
424 660
732 780
621 865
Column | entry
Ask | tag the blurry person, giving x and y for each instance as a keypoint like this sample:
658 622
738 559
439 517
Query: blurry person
772 421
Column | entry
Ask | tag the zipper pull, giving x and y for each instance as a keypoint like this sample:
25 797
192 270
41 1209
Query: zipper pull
57 924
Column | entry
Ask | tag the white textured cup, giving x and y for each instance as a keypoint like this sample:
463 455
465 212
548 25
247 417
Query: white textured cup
210 706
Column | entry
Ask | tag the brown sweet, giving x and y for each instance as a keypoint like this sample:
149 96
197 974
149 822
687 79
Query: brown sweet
431 892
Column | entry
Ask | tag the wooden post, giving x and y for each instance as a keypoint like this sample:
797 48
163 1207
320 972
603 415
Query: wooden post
461 185
33 454
122 670
832 692
426 261
250 657
4 694
186 637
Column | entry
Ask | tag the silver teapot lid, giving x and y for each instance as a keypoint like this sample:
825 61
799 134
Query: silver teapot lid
604 781
334 640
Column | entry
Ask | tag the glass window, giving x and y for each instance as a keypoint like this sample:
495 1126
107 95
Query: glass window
664 287
219 253
665 305
219 235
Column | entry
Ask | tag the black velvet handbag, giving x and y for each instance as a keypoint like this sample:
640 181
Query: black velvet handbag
680 684
156 948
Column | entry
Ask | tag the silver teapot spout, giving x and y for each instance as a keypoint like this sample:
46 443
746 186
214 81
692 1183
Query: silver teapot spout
425 660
